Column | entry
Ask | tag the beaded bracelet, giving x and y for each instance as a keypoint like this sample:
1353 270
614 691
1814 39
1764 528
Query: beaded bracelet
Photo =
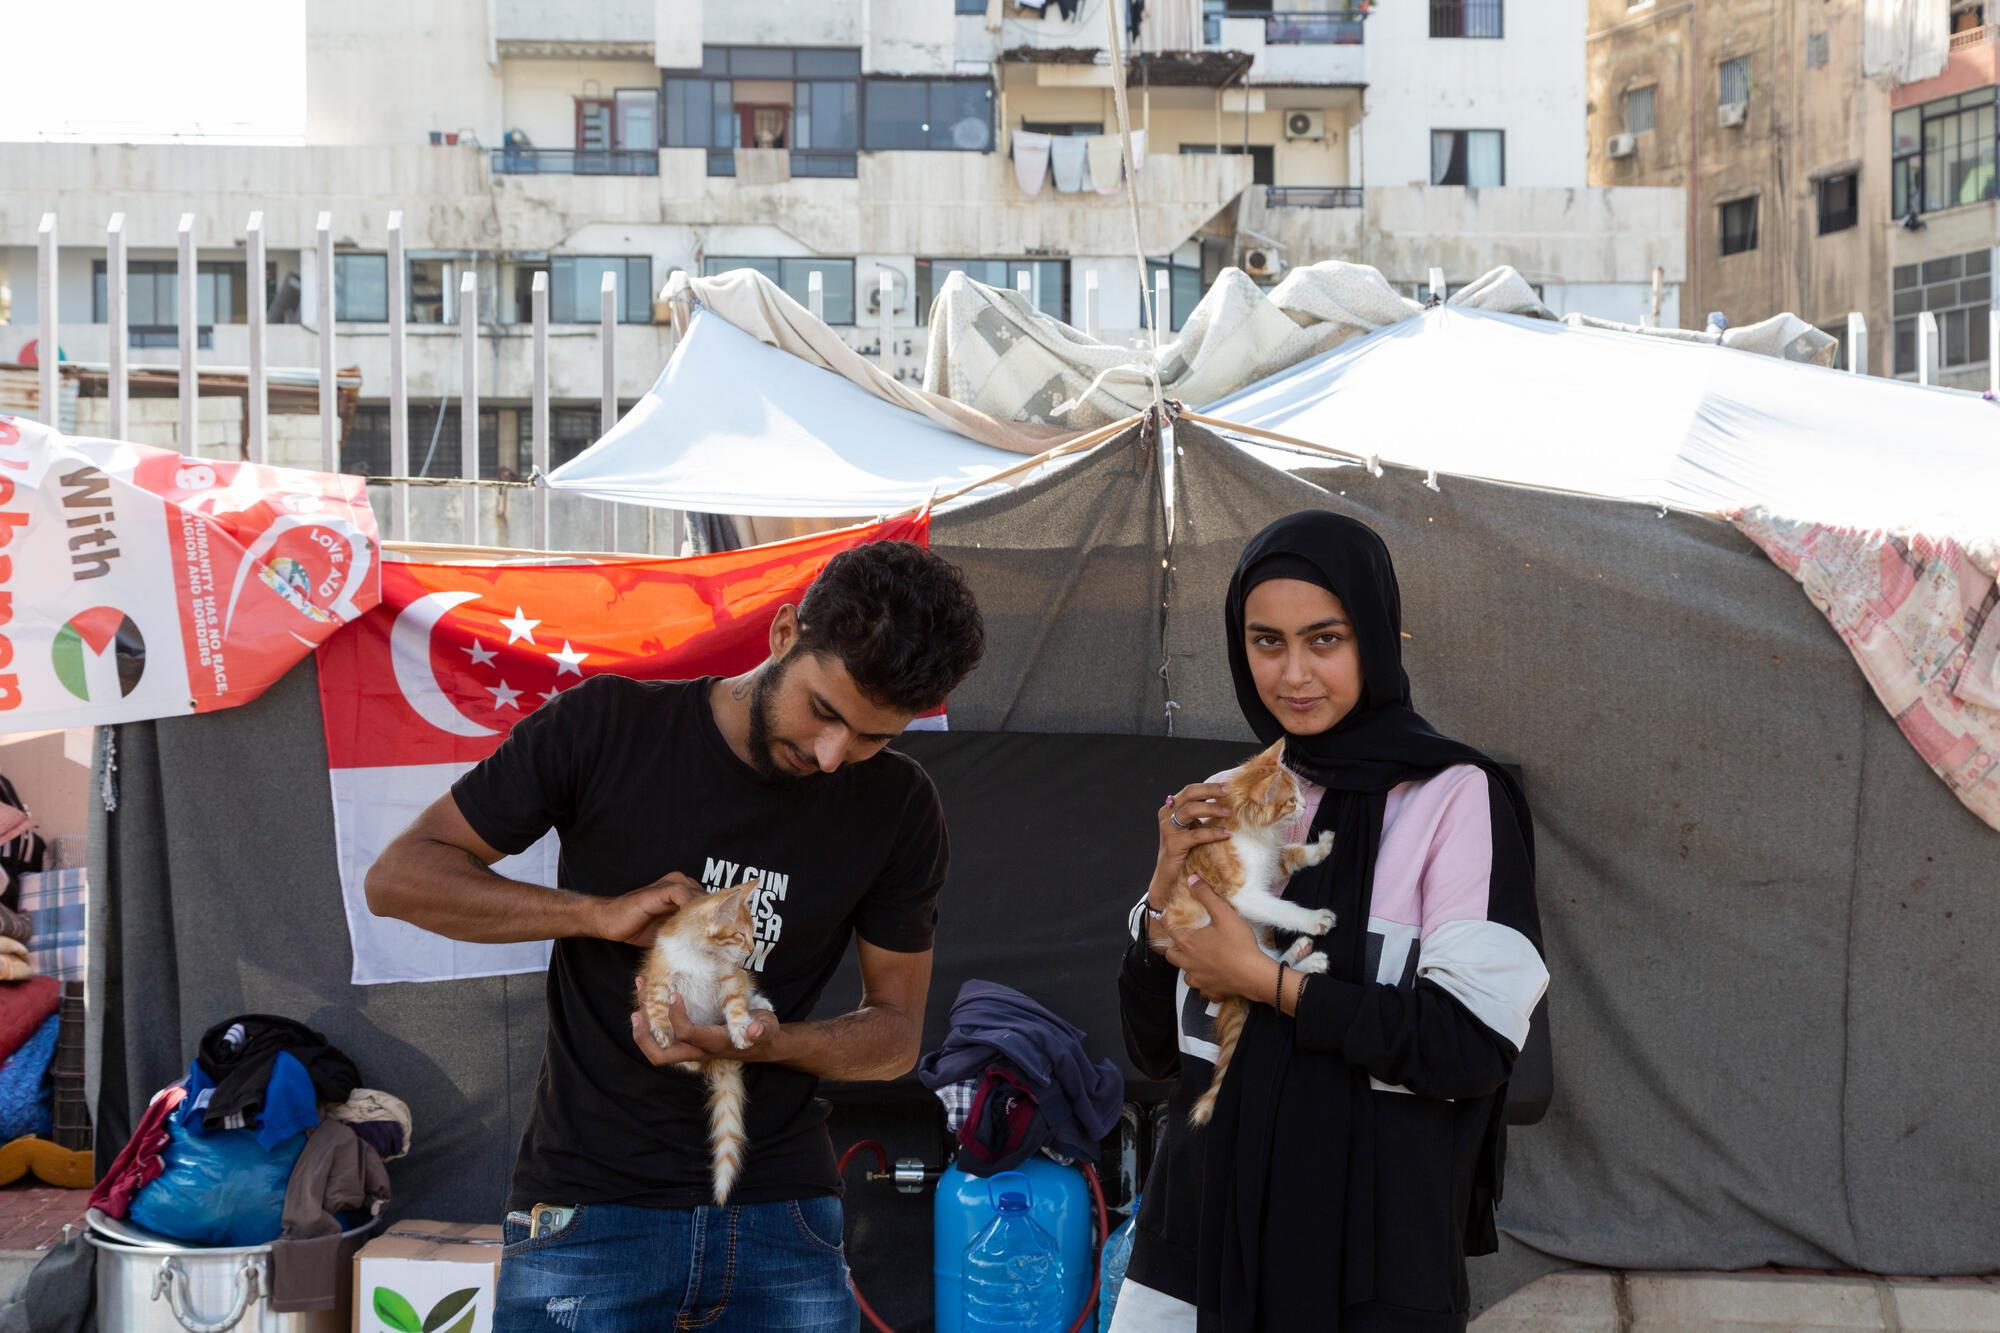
1278 1000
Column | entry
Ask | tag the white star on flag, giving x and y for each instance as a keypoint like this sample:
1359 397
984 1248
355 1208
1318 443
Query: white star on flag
550 694
503 696
520 627
572 661
481 654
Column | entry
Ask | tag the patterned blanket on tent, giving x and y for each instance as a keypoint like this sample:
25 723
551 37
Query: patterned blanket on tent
1918 614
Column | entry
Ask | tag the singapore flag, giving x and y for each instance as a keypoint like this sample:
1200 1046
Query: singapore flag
428 683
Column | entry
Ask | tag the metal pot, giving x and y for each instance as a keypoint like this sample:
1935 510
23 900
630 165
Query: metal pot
149 1284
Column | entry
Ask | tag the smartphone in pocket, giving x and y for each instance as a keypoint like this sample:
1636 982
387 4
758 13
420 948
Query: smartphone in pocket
545 1219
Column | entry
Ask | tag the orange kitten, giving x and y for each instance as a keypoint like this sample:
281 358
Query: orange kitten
1250 869
699 956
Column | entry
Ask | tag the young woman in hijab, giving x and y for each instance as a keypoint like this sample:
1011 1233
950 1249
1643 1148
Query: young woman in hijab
1354 1157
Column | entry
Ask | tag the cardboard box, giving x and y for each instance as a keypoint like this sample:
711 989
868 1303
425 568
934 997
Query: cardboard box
435 1275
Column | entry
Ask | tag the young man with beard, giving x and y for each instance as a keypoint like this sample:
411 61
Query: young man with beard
660 790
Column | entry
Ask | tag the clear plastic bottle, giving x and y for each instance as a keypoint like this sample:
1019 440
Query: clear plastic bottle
1117 1254
1014 1273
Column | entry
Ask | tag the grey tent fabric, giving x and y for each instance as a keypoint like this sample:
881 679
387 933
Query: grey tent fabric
1769 927
225 899
1067 572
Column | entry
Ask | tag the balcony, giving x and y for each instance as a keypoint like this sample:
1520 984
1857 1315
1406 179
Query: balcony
575 162
1312 196
1332 26
1971 37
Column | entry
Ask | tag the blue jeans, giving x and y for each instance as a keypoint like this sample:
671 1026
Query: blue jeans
619 1269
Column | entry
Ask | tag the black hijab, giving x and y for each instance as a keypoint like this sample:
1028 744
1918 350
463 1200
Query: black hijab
1289 1244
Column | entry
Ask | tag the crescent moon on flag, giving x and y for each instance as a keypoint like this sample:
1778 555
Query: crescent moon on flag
410 658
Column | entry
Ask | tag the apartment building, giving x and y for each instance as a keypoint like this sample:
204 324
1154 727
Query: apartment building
1811 185
846 140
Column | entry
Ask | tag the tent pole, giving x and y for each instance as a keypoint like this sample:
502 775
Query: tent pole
399 386
115 290
1857 343
607 412
468 401
1090 303
48 351
538 300
190 334
816 295
1927 348
329 388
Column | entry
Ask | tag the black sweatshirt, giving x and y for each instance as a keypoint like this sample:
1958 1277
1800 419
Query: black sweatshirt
1436 1031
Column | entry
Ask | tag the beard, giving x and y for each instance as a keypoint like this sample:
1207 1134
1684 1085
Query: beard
762 691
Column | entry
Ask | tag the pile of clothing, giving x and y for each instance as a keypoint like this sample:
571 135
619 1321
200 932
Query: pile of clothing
1015 1080
270 1139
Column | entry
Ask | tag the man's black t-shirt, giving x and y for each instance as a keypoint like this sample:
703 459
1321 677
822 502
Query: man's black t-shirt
638 782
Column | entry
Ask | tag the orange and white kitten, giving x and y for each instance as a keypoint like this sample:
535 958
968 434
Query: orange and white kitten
700 956
1250 869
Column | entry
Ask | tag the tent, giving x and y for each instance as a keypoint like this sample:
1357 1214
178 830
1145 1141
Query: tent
823 446
1678 425
1769 925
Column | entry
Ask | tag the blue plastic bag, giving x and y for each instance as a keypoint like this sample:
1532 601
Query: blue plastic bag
26 1097
218 1189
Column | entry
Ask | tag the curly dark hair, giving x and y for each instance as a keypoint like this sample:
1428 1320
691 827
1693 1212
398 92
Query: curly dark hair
899 618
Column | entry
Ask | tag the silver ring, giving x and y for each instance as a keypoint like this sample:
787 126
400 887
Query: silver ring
1175 817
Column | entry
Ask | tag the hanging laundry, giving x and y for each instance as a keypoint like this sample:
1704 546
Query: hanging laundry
1135 10
1031 160
1069 8
1107 163
1066 161
1138 153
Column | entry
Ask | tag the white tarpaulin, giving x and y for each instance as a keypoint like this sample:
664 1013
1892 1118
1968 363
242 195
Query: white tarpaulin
1655 420
735 426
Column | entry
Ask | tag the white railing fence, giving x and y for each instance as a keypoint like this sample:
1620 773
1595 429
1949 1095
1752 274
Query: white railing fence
403 520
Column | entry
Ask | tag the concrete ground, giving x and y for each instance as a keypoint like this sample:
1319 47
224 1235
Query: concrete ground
1788 1299
31 1220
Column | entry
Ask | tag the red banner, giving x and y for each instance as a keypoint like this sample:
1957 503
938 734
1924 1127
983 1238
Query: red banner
431 681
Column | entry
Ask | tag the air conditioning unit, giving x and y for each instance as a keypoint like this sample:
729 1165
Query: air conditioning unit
1305 124
1263 263
1731 115
1621 145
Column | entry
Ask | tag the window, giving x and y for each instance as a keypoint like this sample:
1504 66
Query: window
1958 289
1468 157
1943 154
1838 332
1263 170
820 127
637 119
434 441
152 296
571 431
1839 202
1184 287
361 288
795 276
1048 281
1465 18
1739 225
1733 81
970 7
1639 109
953 114
433 285
575 281
1816 51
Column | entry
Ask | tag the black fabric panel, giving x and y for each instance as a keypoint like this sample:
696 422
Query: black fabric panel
1053 838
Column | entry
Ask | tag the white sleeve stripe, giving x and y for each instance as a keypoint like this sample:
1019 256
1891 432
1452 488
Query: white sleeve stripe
1489 968
1134 922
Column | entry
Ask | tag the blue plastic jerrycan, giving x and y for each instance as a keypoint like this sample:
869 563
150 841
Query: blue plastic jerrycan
1057 1201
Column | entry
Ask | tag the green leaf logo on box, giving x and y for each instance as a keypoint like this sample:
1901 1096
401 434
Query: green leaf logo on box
399 1316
